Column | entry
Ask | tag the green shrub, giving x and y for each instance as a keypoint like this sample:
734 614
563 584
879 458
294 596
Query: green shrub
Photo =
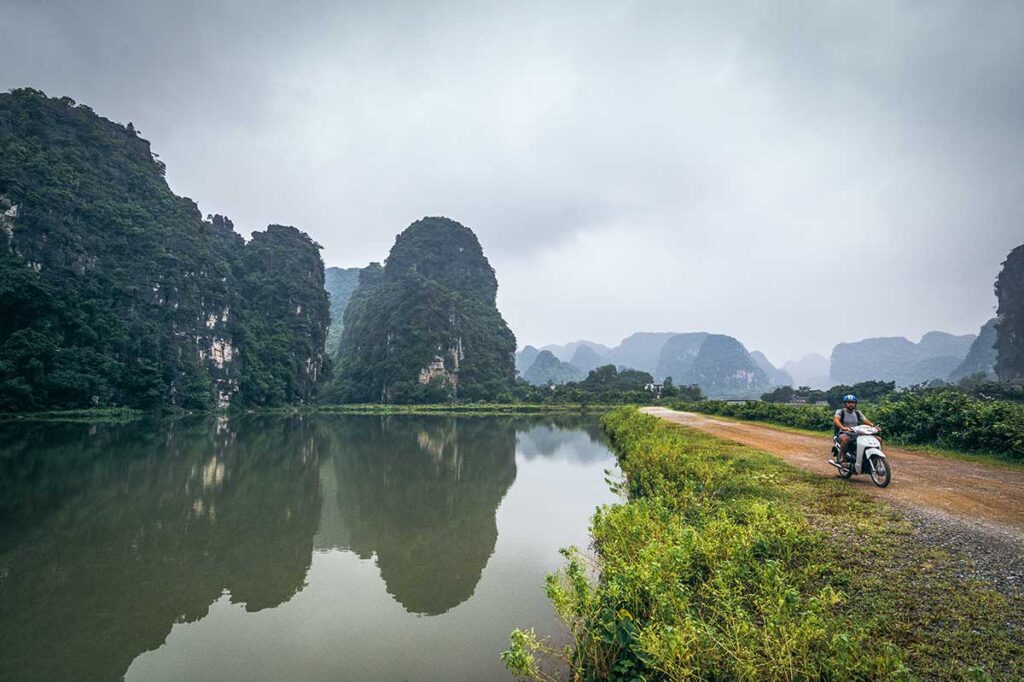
952 419
944 417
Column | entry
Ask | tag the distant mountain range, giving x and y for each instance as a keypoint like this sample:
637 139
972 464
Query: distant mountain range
719 364
936 356
340 284
981 358
547 369
588 358
723 367
565 352
776 376
810 370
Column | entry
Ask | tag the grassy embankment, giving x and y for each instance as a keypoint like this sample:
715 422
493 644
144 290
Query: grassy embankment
726 563
91 416
123 414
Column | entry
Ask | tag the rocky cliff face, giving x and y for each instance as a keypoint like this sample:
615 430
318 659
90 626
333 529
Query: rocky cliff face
1010 325
426 326
114 290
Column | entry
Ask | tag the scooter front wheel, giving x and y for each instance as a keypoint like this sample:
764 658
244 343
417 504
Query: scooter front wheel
881 474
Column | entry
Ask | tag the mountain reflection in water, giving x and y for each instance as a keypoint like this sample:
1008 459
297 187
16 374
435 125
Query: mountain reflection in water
112 534
421 496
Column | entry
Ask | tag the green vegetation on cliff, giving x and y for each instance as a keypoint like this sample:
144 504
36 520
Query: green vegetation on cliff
284 318
114 291
425 327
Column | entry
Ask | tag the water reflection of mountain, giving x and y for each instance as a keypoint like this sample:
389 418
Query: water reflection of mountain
420 494
568 437
111 534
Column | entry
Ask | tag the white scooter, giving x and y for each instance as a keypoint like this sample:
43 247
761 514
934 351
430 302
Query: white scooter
869 458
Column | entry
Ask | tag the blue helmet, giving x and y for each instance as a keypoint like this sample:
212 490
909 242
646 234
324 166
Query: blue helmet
849 398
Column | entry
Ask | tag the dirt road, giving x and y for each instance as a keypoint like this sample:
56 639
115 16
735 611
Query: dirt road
977 494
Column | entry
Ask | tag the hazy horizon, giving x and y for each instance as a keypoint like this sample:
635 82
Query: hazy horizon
626 166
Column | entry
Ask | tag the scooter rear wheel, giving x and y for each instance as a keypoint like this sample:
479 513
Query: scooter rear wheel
881 474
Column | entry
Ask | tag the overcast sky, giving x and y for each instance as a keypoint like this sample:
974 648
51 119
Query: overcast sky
627 165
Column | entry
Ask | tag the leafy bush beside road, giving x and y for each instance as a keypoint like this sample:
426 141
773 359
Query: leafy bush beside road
943 417
951 419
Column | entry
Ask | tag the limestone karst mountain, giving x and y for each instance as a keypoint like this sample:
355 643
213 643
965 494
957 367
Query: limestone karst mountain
724 368
117 292
547 369
426 327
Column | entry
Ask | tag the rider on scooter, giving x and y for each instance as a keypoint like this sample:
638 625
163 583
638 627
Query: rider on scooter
845 419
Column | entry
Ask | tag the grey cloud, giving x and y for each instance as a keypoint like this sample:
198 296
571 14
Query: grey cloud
656 165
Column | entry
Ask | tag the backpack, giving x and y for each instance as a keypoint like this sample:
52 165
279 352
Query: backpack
860 420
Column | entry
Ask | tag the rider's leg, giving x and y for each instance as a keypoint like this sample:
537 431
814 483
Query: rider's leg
844 440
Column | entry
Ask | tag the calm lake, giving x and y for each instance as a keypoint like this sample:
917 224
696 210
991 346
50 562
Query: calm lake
325 547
